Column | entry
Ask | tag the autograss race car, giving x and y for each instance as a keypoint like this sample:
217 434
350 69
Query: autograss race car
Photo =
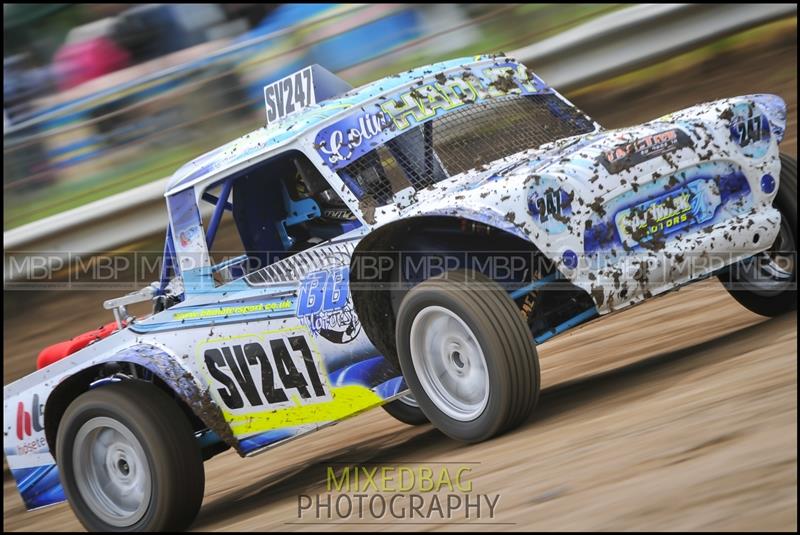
405 244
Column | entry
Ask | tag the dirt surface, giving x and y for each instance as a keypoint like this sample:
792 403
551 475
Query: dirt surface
678 414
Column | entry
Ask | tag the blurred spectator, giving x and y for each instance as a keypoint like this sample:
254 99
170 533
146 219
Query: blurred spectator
152 30
89 53
22 83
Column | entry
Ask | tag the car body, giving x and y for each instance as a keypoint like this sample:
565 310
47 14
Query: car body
457 161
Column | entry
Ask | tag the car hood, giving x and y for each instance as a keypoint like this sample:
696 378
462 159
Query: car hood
589 166
484 180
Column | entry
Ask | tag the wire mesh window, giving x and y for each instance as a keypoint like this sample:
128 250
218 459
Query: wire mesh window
459 141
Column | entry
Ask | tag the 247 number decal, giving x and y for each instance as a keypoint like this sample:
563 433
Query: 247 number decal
749 130
265 373
289 95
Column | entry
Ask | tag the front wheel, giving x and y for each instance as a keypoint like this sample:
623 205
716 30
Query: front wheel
767 282
128 460
467 356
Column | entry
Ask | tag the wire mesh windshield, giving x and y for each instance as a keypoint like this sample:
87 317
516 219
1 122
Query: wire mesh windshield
459 141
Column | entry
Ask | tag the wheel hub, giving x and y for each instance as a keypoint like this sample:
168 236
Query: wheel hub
455 357
113 473
449 363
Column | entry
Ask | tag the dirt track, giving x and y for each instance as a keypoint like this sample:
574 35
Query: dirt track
678 414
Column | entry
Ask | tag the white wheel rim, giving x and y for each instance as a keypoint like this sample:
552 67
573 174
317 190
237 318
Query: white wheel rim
449 363
112 472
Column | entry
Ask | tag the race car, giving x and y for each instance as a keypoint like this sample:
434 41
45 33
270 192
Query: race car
405 244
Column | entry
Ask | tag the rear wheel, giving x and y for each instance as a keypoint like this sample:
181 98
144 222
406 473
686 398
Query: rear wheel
406 409
467 356
767 282
128 460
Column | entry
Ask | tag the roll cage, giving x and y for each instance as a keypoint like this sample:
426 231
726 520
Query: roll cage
381 151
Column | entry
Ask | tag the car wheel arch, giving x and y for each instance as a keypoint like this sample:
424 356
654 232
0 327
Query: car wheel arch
156 367
374 304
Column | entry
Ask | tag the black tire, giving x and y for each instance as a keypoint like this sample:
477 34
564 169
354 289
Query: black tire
408 414
166 437
777 302
512 365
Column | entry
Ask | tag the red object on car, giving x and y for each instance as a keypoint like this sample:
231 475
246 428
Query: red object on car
64 349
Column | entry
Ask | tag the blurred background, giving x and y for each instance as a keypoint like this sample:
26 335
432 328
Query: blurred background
677 418
100 98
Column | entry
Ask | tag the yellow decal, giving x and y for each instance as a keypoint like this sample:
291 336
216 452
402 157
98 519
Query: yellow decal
347 401
335 404
233 310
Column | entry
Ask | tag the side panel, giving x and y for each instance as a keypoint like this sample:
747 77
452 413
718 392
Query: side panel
24 442
26 446
632 213
314 368
260 361
281 351
28 455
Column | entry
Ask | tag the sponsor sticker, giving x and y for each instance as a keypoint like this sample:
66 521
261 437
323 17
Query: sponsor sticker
239 310
691 204
357 134
325 307
640 150
28 424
